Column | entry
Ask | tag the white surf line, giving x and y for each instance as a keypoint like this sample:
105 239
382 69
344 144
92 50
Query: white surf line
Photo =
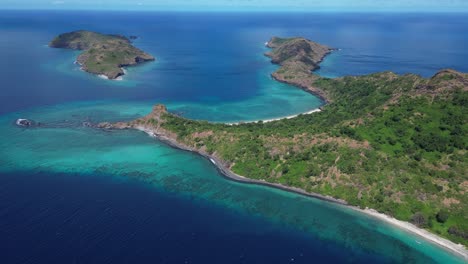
459 249
102 76
275 119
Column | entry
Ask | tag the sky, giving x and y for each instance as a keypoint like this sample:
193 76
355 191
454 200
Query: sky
244 5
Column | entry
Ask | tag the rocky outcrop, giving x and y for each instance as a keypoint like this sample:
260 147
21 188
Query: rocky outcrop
25 122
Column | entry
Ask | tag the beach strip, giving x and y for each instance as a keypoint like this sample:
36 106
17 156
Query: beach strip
275 119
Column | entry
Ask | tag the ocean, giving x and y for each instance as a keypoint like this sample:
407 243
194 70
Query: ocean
73 194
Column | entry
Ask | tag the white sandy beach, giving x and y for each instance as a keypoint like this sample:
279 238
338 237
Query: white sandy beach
276 119
455 248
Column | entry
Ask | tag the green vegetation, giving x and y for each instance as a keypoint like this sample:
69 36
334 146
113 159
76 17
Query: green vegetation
104 54
442 216
393 143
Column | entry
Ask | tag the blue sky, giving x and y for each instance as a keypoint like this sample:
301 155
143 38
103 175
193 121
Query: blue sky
248 5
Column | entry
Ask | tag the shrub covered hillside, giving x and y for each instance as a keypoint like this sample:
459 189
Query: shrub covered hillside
394 143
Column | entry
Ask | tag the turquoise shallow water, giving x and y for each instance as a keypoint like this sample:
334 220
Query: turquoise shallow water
63 145
121 196
270 100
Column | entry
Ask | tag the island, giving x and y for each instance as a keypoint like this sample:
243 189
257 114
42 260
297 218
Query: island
392 143
104 55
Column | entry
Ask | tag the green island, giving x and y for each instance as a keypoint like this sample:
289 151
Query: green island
103 54
393 143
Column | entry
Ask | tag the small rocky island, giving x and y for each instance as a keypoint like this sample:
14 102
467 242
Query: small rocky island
103 54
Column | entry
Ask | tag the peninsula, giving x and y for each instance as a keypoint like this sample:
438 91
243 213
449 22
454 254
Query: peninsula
393 143
103 54
298 57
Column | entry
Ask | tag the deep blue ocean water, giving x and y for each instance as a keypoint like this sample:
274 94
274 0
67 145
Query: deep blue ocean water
70 194
51 218
211 66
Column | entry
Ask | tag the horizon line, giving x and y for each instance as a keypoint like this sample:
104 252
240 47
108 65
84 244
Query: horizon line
241 10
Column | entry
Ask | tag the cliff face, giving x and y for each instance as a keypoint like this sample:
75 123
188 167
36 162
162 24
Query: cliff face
298 57
103 54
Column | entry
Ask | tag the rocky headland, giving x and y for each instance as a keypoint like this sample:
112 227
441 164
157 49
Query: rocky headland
298 58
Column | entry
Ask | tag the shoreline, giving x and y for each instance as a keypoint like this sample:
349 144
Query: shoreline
310 89
275 119
102 76
227 173
457 249
307 89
